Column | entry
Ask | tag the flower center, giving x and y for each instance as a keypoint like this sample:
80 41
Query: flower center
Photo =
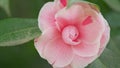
70 35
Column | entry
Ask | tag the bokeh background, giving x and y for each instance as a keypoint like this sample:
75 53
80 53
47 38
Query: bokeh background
26 56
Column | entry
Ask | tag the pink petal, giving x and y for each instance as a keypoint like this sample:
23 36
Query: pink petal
82 62
64 2
69 16
70 34
46 17
85 5
91 32
86 49
42 41
58 53
105 38
87 21
69 66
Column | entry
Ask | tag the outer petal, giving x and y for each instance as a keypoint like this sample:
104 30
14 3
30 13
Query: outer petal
105 38
46 36
81 62
93 31
58 53
46 17
85 5
86 49
88 5
68 16
69 66
106 35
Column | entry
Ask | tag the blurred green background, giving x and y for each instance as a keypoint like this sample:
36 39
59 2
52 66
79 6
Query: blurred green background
26 56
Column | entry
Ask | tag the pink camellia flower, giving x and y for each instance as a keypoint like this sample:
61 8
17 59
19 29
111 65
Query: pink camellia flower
71 37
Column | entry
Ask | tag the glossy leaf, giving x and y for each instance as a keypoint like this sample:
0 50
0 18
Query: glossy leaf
5 5
17 31
23 56
97 64
114 19
114 4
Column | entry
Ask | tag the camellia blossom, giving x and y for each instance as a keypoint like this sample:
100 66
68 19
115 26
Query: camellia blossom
72 37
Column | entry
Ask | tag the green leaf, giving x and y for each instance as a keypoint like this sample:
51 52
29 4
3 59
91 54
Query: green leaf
29 8
3 14
114 4
17 31
104 8
97 64
114 19
5 5
23 56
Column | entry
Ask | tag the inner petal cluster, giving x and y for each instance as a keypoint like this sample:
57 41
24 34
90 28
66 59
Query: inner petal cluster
70 35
